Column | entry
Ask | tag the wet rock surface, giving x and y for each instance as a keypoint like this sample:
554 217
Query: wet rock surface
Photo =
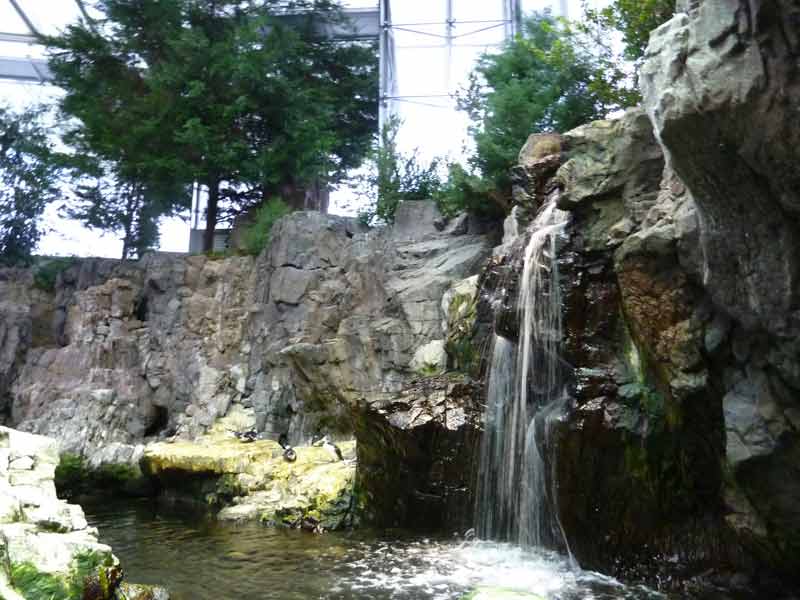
47 545
418 452
665 463
721 84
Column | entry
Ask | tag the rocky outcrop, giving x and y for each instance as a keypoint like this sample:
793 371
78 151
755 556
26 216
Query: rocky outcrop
26 317
677 421
332 318
48 548
638 457
149 348
721 85
418 454
253 481
345 315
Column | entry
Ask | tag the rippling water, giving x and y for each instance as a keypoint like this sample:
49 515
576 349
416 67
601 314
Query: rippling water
200 559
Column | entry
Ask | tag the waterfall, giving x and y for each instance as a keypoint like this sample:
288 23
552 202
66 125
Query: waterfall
525 393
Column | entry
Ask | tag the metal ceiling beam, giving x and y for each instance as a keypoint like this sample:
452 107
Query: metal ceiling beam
23 15
24 70
362 24
18 38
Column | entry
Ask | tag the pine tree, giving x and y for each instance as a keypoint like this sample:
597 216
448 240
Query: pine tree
29 176
223 93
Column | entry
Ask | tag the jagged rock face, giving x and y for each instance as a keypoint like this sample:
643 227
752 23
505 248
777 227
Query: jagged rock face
680 289
722 85
642 407
343 313
330 319
417 455
148 348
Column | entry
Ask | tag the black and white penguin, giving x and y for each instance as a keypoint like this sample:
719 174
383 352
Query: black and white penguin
288 452
322 441
247 436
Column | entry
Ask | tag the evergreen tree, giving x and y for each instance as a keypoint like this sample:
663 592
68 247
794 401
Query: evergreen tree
106 202
635 19
546 80
219 92
29 176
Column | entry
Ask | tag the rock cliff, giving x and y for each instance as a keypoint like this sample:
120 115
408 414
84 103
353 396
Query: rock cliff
325 329
679 447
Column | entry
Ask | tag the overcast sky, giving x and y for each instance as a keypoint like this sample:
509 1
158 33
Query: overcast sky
424 68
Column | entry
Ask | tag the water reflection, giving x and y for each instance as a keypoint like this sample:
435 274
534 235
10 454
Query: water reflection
198 558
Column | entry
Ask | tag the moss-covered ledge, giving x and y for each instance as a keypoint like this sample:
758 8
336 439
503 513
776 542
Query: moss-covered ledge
253 481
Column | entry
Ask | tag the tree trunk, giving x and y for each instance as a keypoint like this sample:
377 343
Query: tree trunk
211 216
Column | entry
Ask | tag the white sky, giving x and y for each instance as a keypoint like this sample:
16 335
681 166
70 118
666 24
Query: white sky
430 124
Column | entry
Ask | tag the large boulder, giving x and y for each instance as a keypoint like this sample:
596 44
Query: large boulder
722 85
48 547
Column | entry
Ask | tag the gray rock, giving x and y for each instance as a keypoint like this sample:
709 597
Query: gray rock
722 103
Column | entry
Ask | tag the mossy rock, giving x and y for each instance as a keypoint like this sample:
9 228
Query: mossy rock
74 476
94 576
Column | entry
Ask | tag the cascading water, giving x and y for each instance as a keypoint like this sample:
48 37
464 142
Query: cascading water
525 392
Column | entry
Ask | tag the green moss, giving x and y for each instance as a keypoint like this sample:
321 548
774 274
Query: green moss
429 370
48 269
32 584
227 487
71 473
74 476
117 473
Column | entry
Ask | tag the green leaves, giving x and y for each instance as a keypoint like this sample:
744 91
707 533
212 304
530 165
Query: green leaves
29 175
547 79
635 19
220 92
393 177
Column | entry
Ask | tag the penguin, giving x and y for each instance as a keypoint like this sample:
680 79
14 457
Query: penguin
245 437
289 454
322 441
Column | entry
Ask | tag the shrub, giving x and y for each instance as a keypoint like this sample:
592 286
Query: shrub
256 236
393 177
48 269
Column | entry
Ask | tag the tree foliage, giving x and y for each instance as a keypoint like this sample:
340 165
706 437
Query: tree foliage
102 200
219 92
257 235
29 177
392 177
550 78
635 19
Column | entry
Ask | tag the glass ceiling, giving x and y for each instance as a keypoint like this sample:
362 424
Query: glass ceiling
426 73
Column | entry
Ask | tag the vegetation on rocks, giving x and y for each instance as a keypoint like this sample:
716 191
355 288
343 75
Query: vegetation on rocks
89 568
550 78
256 235
392 177
74 476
